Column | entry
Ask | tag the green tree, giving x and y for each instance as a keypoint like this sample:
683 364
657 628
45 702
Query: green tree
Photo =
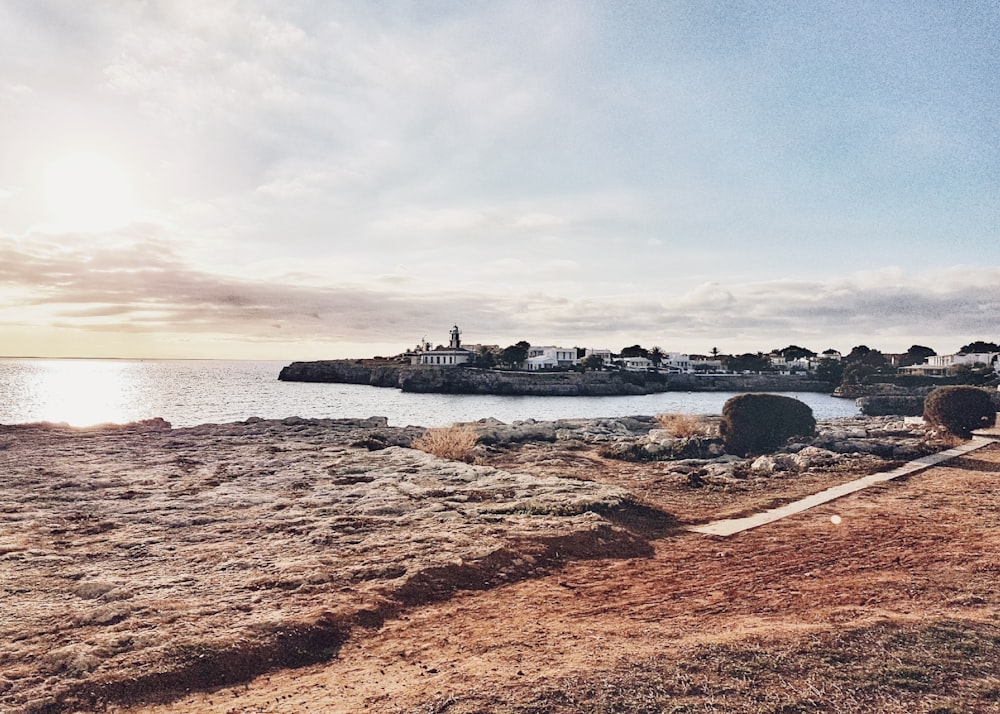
830 371
634 351
793 352
515 354
749 362
917 354
862 364
979 346
592 362
485 358
656 355
973 374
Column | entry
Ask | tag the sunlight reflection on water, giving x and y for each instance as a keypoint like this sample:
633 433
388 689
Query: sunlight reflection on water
79 392
189 392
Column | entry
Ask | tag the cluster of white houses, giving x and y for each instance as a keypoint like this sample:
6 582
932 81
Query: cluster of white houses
943 365
551 357
538 358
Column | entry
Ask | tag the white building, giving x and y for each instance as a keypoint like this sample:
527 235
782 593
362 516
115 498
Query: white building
549 357
789 366
707 366
636 364
449 356
605 355
676 362
943 365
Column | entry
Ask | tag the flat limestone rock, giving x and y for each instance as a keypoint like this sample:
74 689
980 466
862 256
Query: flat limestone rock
134 561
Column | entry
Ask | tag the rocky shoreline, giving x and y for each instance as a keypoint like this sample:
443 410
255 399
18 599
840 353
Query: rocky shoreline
142 561
888 399
468 380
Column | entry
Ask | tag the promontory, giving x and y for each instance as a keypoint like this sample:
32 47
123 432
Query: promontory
471 380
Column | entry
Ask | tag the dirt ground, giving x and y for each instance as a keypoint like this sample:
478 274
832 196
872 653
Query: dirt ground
893 608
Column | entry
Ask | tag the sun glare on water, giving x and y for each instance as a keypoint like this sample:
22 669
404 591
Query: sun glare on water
87 191
82 392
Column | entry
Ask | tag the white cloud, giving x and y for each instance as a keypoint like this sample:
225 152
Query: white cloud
420 223
635 173
292 186
144 286
531 221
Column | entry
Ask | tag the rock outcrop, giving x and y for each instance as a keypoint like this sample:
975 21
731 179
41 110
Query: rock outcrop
872 440
468 380
143 561
889 399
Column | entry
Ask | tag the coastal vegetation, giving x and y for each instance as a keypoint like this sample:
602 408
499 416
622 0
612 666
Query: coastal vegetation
685 425
960 410
759 423
449 442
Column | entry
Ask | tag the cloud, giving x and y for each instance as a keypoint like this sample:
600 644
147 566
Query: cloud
292 186
570 170
532 221
508 270
421 222
144 287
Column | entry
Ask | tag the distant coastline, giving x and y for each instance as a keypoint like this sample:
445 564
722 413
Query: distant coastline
468 380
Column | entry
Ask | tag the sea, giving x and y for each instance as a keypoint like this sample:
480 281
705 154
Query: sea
87 392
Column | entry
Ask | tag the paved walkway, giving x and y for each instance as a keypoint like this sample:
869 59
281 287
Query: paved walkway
728 527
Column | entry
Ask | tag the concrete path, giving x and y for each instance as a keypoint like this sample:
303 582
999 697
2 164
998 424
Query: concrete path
731 526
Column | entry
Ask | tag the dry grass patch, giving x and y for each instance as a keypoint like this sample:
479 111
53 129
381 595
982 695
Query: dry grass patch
940 667
449 442
685 425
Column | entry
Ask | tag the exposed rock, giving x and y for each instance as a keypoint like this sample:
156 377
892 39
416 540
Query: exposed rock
148 559
812 456
889 399
902 405
494 432
773 463
469 380
665 449
528 430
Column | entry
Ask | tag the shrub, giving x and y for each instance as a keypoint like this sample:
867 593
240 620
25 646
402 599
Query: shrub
960 410
449 442
684 425
759 423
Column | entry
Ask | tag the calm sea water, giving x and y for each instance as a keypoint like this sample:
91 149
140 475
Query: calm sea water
189 392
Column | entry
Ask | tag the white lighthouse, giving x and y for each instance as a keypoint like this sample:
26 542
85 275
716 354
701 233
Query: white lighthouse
451 356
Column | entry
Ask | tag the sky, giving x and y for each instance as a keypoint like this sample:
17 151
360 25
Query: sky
317 179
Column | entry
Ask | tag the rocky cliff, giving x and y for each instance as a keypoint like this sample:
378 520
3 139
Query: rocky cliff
466 380
886 399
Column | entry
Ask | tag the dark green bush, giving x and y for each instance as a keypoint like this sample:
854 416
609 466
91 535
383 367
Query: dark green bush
960 410
760 423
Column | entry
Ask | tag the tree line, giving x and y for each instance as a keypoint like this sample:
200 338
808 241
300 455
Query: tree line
861 365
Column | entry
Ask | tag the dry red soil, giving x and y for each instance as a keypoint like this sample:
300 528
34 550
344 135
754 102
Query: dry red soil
895 608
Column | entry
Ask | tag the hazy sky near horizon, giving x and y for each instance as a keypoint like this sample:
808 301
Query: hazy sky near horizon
305 179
